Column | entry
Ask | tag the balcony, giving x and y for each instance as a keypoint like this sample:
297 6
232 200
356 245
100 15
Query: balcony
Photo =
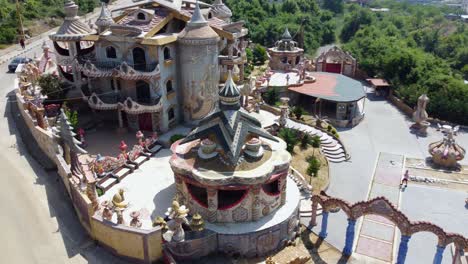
124 70
115 101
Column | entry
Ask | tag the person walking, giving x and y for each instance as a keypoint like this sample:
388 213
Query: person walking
22 43
405 179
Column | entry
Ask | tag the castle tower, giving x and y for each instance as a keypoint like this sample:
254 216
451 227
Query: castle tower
221 11
198 64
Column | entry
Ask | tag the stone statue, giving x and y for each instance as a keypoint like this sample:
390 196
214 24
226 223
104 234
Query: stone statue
135 215
178 215
284 111
420 115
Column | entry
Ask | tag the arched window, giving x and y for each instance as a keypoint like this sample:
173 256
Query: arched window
171 114
141 16
271 188
199 194
210 15
169 86
167 53
139 59
111 53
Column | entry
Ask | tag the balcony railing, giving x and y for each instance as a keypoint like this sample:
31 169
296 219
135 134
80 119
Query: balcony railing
110 65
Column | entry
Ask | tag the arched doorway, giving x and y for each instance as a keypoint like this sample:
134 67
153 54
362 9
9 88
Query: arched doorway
145 121
139 59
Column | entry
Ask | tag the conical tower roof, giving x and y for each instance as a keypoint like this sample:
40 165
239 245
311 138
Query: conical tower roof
220 10
229 96
197 27
105 18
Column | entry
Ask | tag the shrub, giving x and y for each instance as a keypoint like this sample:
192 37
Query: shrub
271 96
316 141
329 128
306 140
176 137
298 112
290 137
314 166
51 86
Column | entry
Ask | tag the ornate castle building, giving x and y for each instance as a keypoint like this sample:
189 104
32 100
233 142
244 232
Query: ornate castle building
152 65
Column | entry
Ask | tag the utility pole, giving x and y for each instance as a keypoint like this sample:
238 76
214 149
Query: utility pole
18 13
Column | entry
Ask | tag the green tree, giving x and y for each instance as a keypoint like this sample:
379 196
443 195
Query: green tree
298 112
335 6
314 166
51 87
271 96
259 54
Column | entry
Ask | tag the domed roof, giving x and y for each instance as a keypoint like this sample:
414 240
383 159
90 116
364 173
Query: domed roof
197 27
286 34
229 96
220 10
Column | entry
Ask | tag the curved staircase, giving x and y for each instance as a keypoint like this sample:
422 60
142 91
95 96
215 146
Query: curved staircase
331 148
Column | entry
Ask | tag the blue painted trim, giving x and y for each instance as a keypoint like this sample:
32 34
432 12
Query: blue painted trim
403 249
323 232
348 249
438 255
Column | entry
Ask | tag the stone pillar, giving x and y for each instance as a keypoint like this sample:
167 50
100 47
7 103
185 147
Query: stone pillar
403 249
212 204
180 190
459 252
256 204
348 249
76 72
282 187
119 116
439 254
323 231
313 218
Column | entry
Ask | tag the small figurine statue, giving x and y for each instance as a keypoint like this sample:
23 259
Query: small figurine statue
159 221
81 132
98 166
178 215
119 200
135 215
197 223
139 135
107 210
123 149
284 111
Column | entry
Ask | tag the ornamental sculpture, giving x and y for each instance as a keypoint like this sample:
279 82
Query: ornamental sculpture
178 215
447 152
420 116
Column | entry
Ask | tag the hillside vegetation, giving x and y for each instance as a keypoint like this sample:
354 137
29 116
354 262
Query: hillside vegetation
47 13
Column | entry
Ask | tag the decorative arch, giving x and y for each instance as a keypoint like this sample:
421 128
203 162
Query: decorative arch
141 16
382 207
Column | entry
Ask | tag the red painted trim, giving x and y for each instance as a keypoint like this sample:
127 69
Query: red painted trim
195 198
236 203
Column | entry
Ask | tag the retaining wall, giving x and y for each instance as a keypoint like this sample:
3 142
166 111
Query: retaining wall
137 245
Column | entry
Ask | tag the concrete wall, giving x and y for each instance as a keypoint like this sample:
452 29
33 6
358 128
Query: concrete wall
142 246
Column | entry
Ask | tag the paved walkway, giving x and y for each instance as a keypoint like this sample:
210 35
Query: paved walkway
376 234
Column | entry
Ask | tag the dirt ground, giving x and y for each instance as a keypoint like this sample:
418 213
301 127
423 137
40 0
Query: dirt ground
457 180
299 163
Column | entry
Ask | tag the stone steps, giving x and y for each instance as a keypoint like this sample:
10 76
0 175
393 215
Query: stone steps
331 148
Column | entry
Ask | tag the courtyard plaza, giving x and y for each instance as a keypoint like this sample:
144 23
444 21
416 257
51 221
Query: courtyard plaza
280 79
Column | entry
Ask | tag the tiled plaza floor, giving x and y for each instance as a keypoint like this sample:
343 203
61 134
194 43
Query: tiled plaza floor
376 234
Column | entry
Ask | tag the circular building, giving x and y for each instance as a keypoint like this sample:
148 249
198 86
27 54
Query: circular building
335 97
231 171
285 55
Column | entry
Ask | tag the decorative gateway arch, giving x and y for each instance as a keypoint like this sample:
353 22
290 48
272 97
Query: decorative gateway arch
381 206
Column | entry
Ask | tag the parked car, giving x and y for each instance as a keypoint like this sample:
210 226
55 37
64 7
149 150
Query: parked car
16 61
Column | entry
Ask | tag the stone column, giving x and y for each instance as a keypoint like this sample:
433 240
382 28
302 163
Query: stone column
282 187
256 212
313 218
76 72
180 190
403 249
459 252
323 231
212 204
119 116
348 249
439 254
